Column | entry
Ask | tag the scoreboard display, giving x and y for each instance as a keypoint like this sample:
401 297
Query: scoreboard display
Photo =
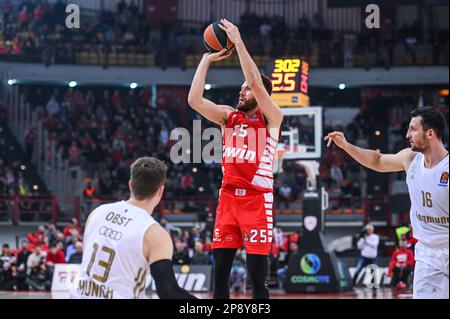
290 82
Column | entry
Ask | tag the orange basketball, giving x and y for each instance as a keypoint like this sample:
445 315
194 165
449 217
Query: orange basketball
215 39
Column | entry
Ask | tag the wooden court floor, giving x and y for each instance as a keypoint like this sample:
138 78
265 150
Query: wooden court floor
358 293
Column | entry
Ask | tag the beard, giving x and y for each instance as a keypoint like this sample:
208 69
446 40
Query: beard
246 105
419 147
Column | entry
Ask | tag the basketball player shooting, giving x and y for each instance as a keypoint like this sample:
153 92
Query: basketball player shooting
250 135
122 242
426 164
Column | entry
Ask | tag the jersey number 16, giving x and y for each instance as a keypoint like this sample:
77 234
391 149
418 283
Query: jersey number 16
426 199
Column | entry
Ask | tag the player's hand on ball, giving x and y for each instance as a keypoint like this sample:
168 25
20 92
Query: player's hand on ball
218 56
231 30
337 137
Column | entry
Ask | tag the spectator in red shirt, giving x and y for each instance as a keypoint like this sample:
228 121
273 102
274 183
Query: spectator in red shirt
69 95
23 18
86 140
144 95
72 229
116 156
16 46
116 100
38 237
207 247
187 184
401 265
50 123
54 256
3 50
280 241
38 14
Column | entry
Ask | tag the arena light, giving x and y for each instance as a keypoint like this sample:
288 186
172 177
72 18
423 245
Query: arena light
443 92
12 81
35 187
201 189
23 167
377 133
133 85
342 86
207 86
73 84
195 169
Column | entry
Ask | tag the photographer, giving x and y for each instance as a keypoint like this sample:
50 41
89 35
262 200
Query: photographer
368 245
38 278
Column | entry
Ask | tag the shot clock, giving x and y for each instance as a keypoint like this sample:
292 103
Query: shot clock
290 82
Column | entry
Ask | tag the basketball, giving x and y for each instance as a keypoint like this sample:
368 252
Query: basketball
215 39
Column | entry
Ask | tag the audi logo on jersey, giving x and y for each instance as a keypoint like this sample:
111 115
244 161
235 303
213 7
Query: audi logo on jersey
110 233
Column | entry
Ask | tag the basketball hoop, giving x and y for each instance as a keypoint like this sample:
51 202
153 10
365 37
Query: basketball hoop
279 157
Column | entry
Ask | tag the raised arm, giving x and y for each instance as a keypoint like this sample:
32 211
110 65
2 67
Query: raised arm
213 112
372 159
269 108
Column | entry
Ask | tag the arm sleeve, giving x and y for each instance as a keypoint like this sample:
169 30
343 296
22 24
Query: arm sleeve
166 284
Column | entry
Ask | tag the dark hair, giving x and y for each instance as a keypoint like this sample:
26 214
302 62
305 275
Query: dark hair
267 83
432 118
148 174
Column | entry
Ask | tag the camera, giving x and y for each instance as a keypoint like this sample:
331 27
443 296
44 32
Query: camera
42 260
362 234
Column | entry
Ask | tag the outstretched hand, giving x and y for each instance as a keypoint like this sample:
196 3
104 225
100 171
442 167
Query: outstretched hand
337 137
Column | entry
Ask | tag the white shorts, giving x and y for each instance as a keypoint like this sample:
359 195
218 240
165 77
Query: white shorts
430 273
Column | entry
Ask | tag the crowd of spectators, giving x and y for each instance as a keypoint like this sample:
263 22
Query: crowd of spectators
103 131
31 266
34 32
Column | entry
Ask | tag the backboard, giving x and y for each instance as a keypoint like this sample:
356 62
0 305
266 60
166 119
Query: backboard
301 133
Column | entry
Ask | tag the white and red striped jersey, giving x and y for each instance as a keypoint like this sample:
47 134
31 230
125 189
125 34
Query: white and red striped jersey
248 153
